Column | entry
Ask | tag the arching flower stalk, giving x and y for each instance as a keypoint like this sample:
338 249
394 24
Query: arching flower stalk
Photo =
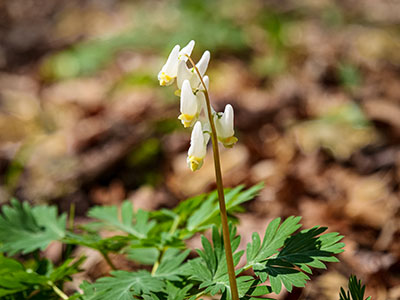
196 110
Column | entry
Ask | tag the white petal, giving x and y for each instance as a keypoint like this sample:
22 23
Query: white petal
228 120
206 82
224 124
183 73
197 145
201 101
206 132
187 50
171 65
203 62
188 100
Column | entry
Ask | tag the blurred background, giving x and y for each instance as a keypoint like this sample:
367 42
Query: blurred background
315 85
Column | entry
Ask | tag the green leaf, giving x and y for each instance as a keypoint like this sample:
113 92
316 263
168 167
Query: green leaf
146 256
89 292
68 268
288 267
137 225
124 284
25 229
274 238
204 215
356 290
18 281
95 241
256 290
176 293
211 268
14 278
171 264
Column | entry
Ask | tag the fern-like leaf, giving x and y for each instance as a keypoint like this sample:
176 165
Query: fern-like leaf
136 224
356 290
211 269
25 229
288 267
207 214
123 285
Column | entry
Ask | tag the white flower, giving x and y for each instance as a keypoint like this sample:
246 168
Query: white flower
169 71
198 147
189 105
184 73
224 126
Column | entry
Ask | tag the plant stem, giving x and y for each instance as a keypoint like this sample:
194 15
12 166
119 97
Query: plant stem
162 251
157 263
71 217
220 188
108 260
58 291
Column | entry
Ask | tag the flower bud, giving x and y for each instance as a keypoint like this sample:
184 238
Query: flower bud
224 126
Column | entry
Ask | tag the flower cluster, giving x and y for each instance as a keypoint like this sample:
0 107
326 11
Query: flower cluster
193 89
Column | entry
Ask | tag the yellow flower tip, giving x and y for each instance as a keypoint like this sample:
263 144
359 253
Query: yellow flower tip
195 163
165 79
187 120
229 142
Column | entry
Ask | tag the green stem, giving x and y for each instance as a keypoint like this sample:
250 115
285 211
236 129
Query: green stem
220 188
71 216
58 291
162 251
108 260
156 265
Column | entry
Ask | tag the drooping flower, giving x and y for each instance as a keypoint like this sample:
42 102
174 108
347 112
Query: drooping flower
198 147
169 71
189 105
193 100
224 126
184 73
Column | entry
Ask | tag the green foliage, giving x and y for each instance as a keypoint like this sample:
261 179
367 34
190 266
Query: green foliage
211 269
171 264
125 284
109 217
37 281
95 241
284 256
177 293
25 229
288 266
356 290
205 210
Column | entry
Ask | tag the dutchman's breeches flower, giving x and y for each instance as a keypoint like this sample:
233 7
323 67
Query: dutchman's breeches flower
224 126
169 71
193 85
198 147
189 105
